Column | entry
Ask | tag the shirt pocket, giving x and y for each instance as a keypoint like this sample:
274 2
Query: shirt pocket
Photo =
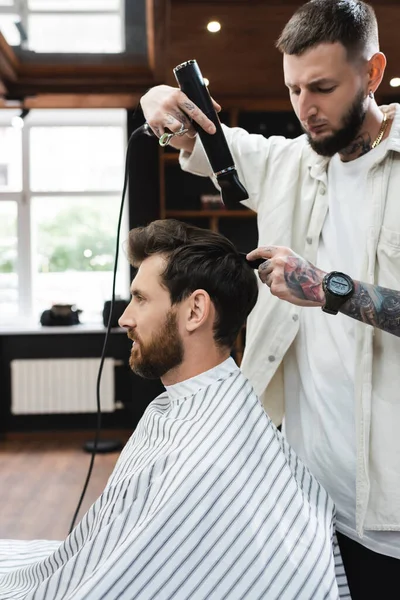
388 259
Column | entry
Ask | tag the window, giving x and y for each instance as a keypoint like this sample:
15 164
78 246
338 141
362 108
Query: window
65 26
10 159
8 259
59 158
62 224
75 33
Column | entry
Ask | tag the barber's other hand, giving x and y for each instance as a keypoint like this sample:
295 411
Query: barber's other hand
168 108
289 276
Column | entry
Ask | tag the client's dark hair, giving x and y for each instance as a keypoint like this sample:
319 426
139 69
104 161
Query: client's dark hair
200 259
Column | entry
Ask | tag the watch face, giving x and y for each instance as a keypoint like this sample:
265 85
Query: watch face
339 285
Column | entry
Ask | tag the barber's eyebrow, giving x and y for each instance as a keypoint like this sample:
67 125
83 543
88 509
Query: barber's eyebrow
314 82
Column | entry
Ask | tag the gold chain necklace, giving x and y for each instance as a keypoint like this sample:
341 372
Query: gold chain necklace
382 131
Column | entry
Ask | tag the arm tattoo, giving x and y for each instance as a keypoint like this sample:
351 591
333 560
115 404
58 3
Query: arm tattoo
376 306
304 280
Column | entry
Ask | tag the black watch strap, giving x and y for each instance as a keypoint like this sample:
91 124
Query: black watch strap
338 288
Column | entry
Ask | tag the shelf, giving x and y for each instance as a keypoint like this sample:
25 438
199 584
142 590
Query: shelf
211 213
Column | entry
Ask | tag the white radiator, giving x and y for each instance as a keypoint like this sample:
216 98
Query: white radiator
50 386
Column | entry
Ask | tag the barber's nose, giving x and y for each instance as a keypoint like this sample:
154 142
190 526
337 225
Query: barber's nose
306 107
127 319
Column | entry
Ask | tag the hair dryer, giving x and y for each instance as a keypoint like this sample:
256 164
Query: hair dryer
190 80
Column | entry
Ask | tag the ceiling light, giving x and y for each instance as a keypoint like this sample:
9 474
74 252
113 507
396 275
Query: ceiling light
18 121
395 82
213 26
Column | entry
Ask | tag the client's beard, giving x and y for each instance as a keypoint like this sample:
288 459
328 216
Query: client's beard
343 137
163 353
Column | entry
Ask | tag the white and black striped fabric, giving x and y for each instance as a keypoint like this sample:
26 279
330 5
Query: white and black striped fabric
207 501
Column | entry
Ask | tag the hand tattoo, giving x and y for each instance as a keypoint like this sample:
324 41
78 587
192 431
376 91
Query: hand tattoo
180 117
304 280
374 305
189 105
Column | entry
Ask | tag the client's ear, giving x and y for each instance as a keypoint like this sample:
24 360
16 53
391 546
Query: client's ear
198 309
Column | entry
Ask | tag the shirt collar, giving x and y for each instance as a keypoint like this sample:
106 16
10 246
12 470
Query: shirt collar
394 136
191 386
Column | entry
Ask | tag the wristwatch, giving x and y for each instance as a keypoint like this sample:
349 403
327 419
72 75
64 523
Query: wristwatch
338 288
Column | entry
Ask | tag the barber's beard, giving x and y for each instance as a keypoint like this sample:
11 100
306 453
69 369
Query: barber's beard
163 353
343 137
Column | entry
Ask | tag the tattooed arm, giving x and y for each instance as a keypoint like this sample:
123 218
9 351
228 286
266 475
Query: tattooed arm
299 282
374 305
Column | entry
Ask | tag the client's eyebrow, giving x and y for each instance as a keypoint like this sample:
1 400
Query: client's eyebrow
136 293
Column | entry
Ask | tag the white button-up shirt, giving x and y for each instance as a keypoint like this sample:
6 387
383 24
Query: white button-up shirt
287 183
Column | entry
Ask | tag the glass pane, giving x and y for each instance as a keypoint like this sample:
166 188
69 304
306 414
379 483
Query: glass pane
73 253
75 33
6 2
9 29
80 159
10 159
8 260
73 5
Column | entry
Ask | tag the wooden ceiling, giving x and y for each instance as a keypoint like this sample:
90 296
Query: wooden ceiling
240 61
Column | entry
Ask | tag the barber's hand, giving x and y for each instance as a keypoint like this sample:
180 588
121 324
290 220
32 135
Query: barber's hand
289 276
165 107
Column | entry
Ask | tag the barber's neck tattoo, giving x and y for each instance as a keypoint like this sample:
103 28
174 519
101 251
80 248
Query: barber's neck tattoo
358 147
304 280
374 305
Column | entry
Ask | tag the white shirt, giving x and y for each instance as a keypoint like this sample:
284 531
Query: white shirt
287 186
319 367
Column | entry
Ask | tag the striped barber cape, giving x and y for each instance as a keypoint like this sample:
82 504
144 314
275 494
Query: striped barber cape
207 501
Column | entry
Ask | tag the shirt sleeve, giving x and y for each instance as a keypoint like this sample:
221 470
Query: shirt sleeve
250 153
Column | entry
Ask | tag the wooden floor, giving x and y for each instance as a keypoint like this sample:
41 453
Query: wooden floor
41 480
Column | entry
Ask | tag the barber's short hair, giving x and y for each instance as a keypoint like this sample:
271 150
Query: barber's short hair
200 259
350 22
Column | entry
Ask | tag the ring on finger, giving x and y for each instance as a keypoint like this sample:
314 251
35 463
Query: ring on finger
182 130
167 137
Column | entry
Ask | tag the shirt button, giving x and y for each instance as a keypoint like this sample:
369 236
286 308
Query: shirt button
271 358
322 191
309 240
295 318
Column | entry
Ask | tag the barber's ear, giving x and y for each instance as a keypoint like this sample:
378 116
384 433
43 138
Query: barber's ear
376 70
198 309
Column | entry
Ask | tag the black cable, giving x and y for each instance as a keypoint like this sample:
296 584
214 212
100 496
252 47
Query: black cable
139 131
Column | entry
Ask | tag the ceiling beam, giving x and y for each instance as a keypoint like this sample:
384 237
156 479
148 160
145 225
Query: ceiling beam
82 101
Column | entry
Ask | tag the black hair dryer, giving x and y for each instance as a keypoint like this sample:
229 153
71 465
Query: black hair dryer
191 82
